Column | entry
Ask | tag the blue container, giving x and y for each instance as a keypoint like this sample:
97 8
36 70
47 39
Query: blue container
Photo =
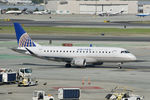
11 77
1 78
71 94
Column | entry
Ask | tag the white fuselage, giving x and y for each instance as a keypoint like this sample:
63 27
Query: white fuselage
91 54
13 12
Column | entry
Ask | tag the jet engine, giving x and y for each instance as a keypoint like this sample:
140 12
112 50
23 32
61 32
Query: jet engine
79 62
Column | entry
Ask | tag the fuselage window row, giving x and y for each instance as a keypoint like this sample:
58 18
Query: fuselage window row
78 51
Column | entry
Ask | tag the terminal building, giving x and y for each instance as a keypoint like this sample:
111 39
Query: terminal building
91 6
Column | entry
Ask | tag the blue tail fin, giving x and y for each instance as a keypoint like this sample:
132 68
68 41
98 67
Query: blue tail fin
23 38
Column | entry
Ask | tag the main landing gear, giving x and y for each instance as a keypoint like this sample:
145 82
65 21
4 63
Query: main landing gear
68 65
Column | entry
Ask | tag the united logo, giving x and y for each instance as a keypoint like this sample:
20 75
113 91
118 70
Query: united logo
25 41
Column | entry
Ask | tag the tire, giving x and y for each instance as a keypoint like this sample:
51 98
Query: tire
68 65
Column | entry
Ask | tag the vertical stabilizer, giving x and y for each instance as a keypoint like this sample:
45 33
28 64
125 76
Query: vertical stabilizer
23 39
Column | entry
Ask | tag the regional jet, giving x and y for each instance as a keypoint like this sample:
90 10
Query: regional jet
14 12
73 56
143 14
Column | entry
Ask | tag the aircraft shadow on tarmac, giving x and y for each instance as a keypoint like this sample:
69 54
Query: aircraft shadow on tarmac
88 66
63 66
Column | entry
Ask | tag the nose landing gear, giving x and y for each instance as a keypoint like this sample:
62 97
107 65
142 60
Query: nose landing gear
119 65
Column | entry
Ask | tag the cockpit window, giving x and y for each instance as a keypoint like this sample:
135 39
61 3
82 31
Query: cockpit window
125 52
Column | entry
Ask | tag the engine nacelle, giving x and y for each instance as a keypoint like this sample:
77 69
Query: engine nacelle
79 62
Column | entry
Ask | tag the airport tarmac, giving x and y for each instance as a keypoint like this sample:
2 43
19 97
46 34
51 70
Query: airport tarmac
75 17
76 21
74 37
134 76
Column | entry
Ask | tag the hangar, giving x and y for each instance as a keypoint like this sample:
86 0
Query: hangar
92 9
91 6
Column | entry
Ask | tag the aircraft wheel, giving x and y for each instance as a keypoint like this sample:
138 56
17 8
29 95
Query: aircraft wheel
68 65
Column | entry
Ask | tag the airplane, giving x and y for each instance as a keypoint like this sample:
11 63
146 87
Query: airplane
143 14
41 12
110 13
14 12
73 56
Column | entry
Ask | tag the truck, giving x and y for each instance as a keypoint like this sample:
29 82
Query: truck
123 94
40 95
69 93
24 77
24 72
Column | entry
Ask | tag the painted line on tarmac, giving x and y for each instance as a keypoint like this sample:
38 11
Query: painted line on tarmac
83 87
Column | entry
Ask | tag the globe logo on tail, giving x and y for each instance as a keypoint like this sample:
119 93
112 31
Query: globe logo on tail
25 41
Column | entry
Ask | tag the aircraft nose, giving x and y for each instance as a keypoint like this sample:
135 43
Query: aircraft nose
132 57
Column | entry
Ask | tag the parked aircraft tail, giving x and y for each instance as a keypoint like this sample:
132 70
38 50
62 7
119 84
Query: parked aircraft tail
23 39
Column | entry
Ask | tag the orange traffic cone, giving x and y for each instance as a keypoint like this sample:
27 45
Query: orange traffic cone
89 81
83 82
